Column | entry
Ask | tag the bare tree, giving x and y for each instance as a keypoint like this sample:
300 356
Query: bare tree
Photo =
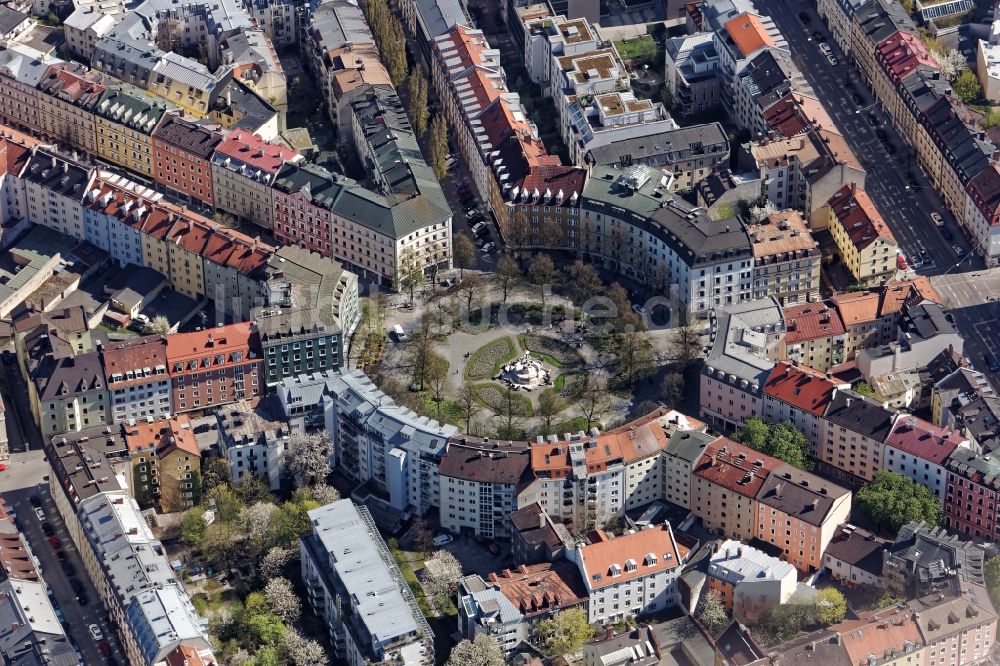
635 356
672 389
437 377
510 412
464 254
506 275
282 600
584 281
410 274
549 404
421 349
444 311
471 289
541 272
307 458
468 406
593 400
686 346
324 494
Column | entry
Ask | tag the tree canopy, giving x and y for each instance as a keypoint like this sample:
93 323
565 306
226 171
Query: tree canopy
892 500
563 634
782 440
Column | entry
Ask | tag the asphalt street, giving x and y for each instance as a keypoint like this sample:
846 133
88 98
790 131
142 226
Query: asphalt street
25 477
905 210
21 427
972 298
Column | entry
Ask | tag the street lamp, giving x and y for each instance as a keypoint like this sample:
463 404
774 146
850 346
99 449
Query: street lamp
865 108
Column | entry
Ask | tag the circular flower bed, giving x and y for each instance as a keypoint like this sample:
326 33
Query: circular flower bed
557 350
486 361
495 398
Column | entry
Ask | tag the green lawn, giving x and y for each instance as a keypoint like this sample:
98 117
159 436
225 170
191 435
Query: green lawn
641 48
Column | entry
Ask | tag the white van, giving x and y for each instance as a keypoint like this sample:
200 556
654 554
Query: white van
398 331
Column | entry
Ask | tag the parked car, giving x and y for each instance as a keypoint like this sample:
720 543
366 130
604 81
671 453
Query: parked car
818 36
471 212
54 541
871 118
96 632
479 228
806 20
858 99
991 362
958 250
35 500
47 529
68 568
901 262
825 48
489 247
60 556
638 308
889 147
40 513
937 219
203 428
443 539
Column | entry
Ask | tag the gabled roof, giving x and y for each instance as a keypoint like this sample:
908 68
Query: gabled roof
801 386
901 53
860 414
800 494
858 216
735 467
858 548
922 439
748 33
611 561
857 308
811 321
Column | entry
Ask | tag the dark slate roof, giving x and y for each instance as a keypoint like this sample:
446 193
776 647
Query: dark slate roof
10 19
198 140
767 73
67 377
57 174
789 496
820 647
535 527
981 420
881 18
252 110
931 552
927 320
860 414
857 548
489 463
675 145
968 154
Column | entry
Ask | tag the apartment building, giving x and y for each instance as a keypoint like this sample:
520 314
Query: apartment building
165 463
592 479
801 395
853 438
854 556
138 381
54 187
815 335
253 441
866 244
692 66
508 604
653 236
690 153
895 57
632 574
311 308
385 444
69 93
182 158
244 167
786 259
924 559
479 484
23 69
748 339
214 367
125 120
548 38
872 23
838 14
725 485
147 607
680 456
799 513
67 392
970 494
750 582
982 213
83 28
358 591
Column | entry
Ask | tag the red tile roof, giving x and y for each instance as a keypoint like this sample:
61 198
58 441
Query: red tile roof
162 436
795 113
255 151
734 467
211 341
859 217
811 321
633 441
541 588
906 292
900 53
857 308
801 387
605 562
923 439
748 33
137 354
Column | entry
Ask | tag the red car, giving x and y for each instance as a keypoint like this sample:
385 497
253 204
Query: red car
901 262
54 540
104 648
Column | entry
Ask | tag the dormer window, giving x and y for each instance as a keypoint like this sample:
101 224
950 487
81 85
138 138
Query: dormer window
614 570
629 565
649 560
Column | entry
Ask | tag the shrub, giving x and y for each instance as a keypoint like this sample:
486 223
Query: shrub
561 353
486 361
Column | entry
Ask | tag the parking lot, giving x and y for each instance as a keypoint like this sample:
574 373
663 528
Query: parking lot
23 481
